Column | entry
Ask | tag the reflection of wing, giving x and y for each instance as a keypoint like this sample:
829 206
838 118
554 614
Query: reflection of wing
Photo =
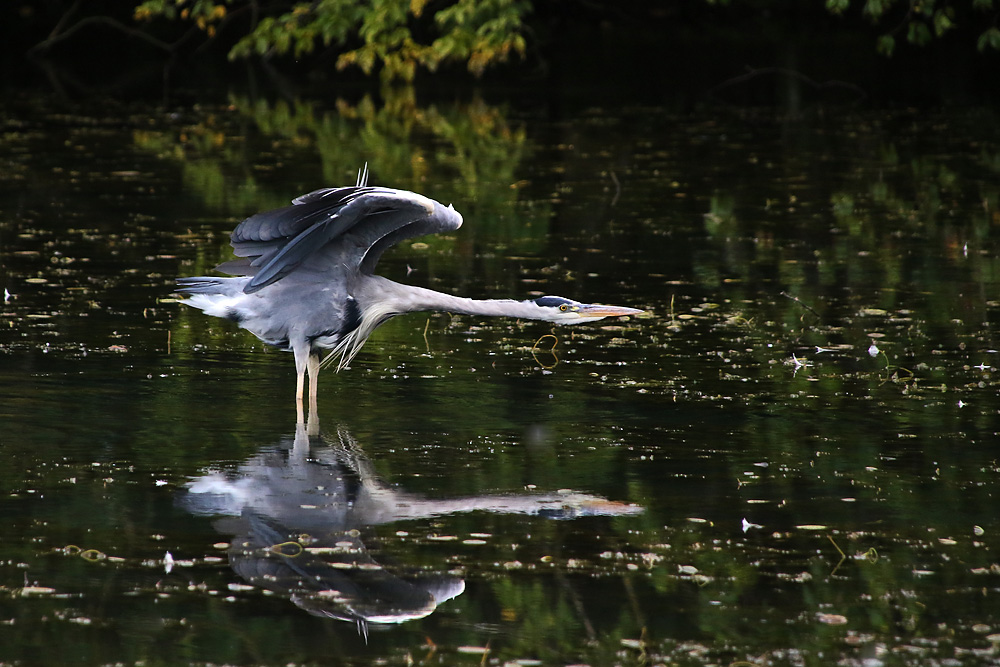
352 226
334 575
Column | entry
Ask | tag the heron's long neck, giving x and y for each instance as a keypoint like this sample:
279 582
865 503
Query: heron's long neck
407 298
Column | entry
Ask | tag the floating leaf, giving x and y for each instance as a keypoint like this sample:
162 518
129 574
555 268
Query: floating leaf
831 619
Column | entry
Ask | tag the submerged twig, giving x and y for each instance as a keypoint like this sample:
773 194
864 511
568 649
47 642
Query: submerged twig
836 546
577 603
279 549
93 555
893 372
843 556
551 350
801 303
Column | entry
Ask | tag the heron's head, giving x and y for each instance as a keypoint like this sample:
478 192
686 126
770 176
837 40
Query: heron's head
566 311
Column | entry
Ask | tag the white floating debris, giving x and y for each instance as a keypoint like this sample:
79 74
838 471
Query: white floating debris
800 363
168 562
831 619
476 650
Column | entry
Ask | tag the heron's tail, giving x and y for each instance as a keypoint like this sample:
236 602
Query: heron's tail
211 285
216 296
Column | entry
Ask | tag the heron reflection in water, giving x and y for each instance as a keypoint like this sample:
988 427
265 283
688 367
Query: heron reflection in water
297 513
305 279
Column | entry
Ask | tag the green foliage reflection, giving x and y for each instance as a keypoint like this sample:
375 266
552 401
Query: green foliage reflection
466 153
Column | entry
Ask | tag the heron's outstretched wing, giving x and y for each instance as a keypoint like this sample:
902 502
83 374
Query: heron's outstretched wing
361 221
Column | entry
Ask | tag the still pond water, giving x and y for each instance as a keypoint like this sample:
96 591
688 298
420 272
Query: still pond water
791 459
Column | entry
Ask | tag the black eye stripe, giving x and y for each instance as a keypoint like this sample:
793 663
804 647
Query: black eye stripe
553 301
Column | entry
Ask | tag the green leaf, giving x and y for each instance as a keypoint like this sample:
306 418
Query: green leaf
925 7
837 6
918 33
886 44
942 22
989 39
875 8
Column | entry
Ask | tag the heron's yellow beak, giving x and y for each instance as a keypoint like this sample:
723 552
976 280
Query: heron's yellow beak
598 310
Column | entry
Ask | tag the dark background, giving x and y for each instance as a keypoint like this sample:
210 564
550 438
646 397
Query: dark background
672 53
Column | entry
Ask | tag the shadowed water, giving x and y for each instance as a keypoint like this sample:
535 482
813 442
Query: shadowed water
790 459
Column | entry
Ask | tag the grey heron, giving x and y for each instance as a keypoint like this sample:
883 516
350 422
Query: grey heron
305 280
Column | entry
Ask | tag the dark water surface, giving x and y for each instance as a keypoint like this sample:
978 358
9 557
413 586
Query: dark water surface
791 459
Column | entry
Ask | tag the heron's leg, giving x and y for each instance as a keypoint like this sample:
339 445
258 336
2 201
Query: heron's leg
313 367
301 352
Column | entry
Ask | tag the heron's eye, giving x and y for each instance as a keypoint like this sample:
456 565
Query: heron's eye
564 308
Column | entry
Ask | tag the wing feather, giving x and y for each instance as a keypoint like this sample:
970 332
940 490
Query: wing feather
354 224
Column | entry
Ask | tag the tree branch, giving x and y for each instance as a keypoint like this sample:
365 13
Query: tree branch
57 36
